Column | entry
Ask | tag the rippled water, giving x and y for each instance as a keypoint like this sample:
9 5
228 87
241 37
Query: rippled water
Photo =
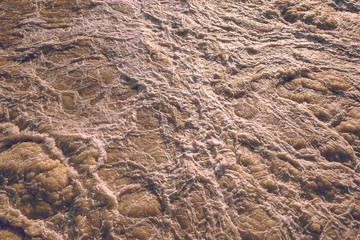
186 119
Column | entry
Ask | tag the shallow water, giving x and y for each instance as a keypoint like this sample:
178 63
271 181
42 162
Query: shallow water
189 119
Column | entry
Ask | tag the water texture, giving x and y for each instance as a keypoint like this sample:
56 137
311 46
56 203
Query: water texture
179 119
